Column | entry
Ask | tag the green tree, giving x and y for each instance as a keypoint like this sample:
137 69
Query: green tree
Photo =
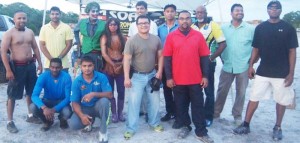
293 18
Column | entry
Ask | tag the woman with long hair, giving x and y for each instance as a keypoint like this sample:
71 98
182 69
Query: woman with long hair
112 46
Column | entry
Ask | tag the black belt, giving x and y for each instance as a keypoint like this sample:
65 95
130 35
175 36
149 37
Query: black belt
23 63
142 72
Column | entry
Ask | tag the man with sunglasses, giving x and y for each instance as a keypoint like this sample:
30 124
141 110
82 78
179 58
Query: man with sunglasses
275 42
91 30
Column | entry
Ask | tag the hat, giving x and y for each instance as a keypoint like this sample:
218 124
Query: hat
155 84
276 2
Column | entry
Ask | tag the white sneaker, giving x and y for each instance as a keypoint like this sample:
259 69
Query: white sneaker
103 137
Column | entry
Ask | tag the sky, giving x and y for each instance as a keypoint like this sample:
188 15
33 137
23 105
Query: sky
253 9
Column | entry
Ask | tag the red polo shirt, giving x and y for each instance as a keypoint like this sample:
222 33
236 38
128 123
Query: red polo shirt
186 52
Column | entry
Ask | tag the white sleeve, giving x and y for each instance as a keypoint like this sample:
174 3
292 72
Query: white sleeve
153 28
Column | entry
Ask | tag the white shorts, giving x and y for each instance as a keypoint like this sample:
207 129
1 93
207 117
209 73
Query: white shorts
265 87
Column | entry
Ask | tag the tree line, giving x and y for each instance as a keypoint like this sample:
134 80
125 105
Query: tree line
35 16
293 18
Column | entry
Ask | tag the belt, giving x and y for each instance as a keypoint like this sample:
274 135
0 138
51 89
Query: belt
117 60
95 51
23 63
142 72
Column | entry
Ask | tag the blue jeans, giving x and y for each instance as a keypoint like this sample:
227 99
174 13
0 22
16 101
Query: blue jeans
140 85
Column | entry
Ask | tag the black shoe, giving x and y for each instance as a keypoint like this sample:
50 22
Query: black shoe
242 129
277 133
11 127
47 126
33 119
63 124
176 125
167 117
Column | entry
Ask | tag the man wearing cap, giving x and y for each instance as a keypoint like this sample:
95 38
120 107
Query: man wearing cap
91 30
275 42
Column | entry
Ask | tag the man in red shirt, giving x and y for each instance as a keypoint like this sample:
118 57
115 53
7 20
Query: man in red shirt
186 58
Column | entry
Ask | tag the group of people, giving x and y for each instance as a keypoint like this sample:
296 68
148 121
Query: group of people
179 52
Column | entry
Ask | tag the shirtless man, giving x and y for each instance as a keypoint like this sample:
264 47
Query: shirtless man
21 71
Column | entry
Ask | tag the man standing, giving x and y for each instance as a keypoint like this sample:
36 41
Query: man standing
275 42
239 35
212 34
142 51
170 25
21 71
56 99
91 30
141 9
186 58
56 39
91 92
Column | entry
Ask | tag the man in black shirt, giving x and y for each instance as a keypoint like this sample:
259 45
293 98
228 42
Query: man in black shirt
275 42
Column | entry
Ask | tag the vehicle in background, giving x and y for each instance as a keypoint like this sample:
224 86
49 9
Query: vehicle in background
6 23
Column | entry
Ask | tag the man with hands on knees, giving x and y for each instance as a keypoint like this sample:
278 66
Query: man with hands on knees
56 99
90 96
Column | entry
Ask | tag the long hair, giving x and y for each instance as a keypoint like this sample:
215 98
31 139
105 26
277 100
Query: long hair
109 36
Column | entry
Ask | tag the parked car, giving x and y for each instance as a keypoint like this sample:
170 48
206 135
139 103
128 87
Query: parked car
6 23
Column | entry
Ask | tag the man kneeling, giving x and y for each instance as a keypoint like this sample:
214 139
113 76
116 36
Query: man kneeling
90 98
56 99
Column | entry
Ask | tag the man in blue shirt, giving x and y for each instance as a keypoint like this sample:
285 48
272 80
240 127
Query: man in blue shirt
170 25
56 99
236 56
91 92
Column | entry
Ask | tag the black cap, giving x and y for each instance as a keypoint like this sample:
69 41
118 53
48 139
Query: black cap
276 2
155 84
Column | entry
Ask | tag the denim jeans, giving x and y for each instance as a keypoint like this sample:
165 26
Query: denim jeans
225 82
64 113
100 110
140 84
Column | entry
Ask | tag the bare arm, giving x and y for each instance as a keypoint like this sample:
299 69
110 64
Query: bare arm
219 51
77 109
67 49
36 51
253 59
292 62
126 66
45 50
104 51
5 45
160 64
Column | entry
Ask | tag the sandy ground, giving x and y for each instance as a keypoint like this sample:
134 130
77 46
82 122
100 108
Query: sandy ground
221 131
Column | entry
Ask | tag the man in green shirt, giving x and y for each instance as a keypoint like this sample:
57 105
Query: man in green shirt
91 30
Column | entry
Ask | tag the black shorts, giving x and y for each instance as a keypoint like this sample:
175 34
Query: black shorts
25 76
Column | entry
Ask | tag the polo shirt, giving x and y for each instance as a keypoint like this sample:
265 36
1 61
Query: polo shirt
80 88
164 30
211 32
134 30
55 39
237 54
56 89
186 52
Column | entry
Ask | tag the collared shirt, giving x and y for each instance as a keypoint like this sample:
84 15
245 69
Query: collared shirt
55 39
54 89
80 88
237 54
91 28
134 30
164 30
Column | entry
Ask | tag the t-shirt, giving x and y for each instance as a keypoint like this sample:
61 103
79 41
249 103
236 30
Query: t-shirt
143 51
186 52
274 40
80 88
58 88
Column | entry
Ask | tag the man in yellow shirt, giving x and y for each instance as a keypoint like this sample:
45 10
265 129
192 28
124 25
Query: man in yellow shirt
56 39
213 34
